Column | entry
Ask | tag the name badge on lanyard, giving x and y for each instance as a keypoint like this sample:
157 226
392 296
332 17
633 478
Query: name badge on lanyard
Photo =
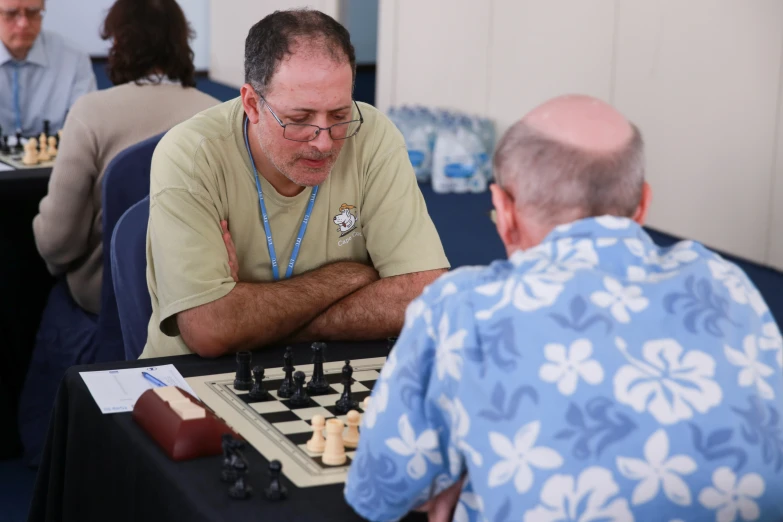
302 229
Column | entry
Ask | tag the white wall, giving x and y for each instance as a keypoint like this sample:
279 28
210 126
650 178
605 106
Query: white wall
228 31
701 78
81 21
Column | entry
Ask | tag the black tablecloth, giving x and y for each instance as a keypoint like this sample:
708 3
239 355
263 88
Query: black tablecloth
105 467
24 286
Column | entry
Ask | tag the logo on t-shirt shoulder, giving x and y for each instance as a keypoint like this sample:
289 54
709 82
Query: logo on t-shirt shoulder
345 220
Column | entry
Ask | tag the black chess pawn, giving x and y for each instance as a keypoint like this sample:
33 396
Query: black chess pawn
240 490
243 380
318 384
46 128
345 403
4 148
287 387
258 392
19 146
276 490
300 397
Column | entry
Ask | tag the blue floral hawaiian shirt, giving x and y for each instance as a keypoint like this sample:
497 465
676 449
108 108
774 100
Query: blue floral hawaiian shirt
593 377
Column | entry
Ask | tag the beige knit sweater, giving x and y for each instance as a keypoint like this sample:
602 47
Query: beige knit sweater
99 126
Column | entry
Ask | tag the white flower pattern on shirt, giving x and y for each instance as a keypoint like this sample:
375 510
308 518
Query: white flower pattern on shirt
567 366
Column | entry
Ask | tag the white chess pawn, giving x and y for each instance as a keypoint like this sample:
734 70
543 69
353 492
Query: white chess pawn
317 443
366 403
52 147
334 452
42 140
43 154
351 437
30 152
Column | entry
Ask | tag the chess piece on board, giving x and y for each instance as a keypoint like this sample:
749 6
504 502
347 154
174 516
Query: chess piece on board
366 403
19 146
351 437
318 384
287 387
47 127
233 462
4 148
317 443
42 139
258 392
334 451
300 397
52 147
243 380
30 152
276 490
345 403
43 153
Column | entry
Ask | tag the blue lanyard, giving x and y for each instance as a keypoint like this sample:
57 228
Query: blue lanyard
268 230
17 106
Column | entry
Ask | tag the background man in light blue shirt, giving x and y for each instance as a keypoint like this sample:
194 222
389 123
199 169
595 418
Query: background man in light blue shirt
591 376
41 74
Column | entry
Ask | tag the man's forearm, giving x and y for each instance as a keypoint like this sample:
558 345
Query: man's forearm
373 312
254 314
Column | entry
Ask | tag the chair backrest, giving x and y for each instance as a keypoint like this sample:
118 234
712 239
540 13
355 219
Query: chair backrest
125 182
129 270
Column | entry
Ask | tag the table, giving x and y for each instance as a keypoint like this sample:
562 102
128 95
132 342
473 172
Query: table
105 467
24 286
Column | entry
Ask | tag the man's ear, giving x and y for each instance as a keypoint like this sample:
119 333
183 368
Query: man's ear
640 216
250 101
506 219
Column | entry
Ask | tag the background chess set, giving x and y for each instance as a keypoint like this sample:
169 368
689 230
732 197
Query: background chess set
13 155
280 431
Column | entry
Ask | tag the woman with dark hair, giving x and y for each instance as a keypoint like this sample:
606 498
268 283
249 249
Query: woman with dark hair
151 65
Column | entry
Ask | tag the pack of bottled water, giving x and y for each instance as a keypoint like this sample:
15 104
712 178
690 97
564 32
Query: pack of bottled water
450 149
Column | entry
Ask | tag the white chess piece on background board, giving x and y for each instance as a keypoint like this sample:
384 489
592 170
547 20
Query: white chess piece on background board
43 154
30 152
334 452
351 437
317 443
52 147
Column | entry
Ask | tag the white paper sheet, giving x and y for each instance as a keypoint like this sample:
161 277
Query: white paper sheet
4 167
117 391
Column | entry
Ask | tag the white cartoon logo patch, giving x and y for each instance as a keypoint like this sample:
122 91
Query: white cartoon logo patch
345 220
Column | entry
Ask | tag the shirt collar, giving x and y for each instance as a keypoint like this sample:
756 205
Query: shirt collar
37 54
600 227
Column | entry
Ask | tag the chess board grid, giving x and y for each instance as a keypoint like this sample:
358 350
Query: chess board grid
277 429
15 160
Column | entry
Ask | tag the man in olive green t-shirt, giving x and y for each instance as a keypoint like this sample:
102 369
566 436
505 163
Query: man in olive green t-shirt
325 234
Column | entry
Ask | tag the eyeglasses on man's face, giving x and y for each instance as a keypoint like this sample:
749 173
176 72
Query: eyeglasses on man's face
32 14
304 132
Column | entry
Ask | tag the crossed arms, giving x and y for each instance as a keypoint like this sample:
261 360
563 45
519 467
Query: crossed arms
344 300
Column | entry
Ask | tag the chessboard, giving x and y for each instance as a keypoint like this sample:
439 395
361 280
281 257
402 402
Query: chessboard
279 430
14 159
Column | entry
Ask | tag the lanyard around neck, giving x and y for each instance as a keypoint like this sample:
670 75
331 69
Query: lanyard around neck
268 230
17 105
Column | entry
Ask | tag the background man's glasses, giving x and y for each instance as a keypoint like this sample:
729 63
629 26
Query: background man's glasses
33 14
304 132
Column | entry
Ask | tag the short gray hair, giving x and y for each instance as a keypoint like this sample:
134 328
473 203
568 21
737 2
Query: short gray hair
556 183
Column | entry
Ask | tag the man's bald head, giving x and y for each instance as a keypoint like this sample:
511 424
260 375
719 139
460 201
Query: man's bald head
570 158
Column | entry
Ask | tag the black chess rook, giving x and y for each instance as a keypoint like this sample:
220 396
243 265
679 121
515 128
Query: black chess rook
287 387
243 379
318 384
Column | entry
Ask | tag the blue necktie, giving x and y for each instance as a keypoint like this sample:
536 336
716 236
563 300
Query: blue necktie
17 107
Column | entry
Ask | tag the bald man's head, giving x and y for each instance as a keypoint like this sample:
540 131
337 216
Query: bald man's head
570 158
